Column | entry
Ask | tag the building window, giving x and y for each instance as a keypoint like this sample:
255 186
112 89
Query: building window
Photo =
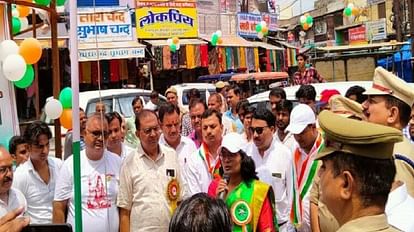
98 2
381 10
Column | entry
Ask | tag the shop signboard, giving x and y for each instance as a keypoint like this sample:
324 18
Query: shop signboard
104 25
111 53
246 23
376 30
163 19
357 35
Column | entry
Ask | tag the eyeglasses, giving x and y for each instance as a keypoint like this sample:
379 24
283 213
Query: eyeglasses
148 131
3 170
258 130
98 133
193 117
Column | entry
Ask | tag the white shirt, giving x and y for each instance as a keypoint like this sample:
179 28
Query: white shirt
126 151
289 141
275 169
38 194
99 180
400 209
16 200
184 149
196 172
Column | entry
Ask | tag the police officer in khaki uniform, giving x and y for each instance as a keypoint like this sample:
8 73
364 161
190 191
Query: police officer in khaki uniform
389 103
321 219
357 171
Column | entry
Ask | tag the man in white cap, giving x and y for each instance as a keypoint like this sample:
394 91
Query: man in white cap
389 103
309 141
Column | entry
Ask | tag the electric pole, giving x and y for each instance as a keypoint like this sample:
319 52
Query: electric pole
396 7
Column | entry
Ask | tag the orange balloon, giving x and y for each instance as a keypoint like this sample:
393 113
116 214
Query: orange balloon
24 11
31 50
220 41
265 30
176 40
305 26
355 11
66 118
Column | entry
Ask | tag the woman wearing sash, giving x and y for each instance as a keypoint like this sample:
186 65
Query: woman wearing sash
251 202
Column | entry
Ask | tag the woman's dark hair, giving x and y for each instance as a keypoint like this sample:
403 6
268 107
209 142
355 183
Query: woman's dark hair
201 213
247 167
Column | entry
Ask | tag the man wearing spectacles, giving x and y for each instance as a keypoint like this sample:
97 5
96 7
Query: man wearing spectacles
36 178
99 182
10 198
150 186
171 137
273 162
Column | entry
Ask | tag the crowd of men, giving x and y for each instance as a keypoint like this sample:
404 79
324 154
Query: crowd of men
329 171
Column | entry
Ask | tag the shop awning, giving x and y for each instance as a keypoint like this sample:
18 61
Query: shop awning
111 50
232 41
163 42
260 76
216 77
347 48
268 46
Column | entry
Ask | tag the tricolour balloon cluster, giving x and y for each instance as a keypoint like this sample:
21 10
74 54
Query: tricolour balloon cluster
61 108
16 62
216 38
306 21
174 44
351 10
262 29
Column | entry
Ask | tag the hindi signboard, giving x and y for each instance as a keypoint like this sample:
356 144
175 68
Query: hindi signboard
104 25
357 35
376 30
246 23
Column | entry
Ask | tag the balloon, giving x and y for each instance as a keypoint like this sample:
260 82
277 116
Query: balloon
53 108
14 67
260 35
16 25
348 11
24 22
42 2
8 47
65 97
263 24
24 11
309 20
350 5
31 50
173 47
169 41
60 2
27 79
302 19
265 30
220 41
310 25
214 39
15 13
305 26
219 33
66 119
258 28
176 40
355 11
178 46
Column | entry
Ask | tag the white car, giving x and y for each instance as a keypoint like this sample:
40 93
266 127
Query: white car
182 90
342 87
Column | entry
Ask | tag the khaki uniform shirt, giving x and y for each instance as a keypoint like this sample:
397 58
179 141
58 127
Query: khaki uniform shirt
327 222
368 224
143 189
405 172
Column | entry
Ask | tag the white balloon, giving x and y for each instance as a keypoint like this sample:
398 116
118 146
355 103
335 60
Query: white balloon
53 109
15 13
263 24
260 35
8 47
14 67
302 19
219 33
351 5
178 46
169 42
24 23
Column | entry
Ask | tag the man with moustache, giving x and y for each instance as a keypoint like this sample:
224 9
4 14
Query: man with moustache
130 137
273 163
203 165
10 198
150 185
389 103
197 108
99 180
283 109
37 177
169 115
114 143
303 127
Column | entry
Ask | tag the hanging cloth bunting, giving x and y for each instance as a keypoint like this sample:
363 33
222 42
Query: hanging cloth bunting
242 53
166 57
268 62
197 56
236 61
182 57
105 71
158 58
256 59
174 60
190 53
123 69
204 55
114 70
229 58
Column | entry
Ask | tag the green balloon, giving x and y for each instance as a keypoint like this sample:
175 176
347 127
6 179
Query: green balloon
16 25
27 79
309 19
60 2
42 2
65 97
258 28
214 39
348 11
173 47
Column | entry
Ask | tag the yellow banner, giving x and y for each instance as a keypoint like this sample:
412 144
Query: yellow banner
162 22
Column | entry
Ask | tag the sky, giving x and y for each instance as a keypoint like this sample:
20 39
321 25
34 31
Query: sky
307 5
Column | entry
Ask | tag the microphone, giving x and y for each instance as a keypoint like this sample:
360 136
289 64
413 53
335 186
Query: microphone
226 178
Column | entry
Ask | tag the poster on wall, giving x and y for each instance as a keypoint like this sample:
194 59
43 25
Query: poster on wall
246 23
